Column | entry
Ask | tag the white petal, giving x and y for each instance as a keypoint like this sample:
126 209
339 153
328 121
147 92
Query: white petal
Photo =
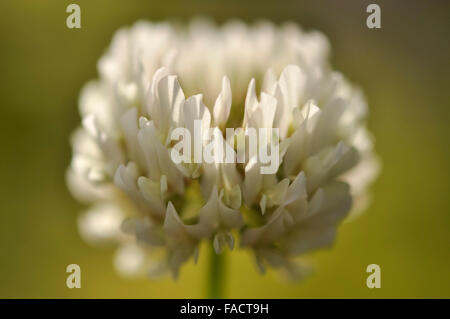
251 101
215 214
222 105
165 101
222 239
129 124
262 204
299 141
152 193
126 179
144 229
263 115
130 260
328 164
325 131
101 223
253 181
292 84
277 193
284 113
195 110
269 82
157 157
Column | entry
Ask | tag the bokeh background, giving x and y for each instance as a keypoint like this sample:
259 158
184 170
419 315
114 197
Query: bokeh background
403 69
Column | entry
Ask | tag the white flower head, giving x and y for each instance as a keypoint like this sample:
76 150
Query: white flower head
157 77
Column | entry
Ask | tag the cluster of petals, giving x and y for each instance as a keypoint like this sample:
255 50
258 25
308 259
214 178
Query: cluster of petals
156 77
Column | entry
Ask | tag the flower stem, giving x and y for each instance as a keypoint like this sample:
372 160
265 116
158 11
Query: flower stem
216 275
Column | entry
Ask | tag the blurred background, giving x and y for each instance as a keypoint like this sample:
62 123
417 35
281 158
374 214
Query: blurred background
403 69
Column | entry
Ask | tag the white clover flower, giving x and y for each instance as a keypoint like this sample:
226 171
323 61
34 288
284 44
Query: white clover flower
155 78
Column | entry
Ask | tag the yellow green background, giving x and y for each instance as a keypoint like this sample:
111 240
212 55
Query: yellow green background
402 67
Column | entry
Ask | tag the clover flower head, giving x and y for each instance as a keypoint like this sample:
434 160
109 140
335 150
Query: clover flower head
156 77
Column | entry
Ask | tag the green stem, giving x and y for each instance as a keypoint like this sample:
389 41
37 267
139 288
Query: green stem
216 275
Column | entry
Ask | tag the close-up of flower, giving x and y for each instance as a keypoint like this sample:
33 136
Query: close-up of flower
156 77
215 158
